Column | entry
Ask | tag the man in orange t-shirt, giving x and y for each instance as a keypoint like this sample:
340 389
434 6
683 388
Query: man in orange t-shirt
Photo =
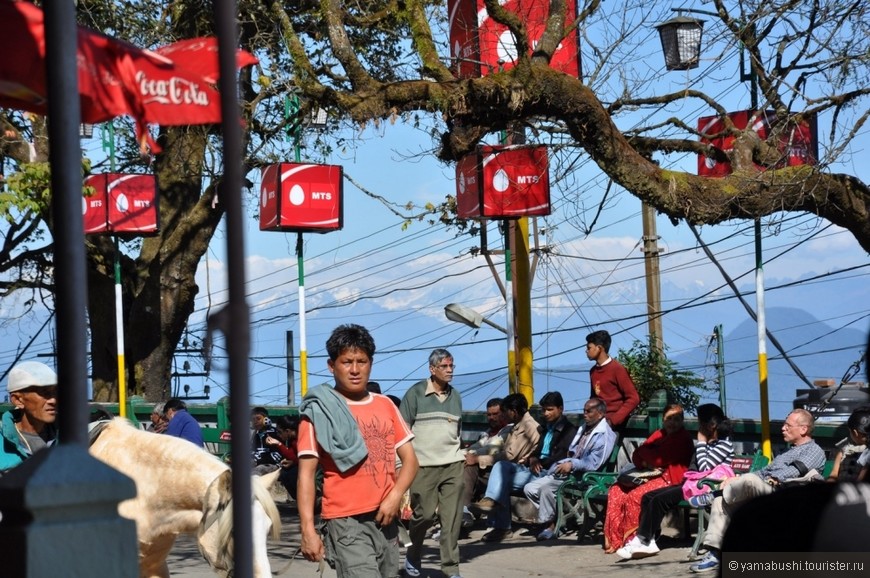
361 490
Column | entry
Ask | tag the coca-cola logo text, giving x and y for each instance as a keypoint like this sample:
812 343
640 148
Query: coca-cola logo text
175 90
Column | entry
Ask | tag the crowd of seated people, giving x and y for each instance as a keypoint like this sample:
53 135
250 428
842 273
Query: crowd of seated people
635 512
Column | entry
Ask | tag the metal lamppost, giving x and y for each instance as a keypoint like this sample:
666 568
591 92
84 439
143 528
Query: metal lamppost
681 42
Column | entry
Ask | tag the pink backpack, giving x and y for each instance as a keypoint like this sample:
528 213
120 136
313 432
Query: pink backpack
690 483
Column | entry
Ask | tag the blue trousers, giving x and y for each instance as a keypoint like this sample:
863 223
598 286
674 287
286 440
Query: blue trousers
506 477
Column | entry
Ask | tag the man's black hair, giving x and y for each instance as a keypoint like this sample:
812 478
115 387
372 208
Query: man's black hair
600 337
373 387
552 399
175 404
496 401
260 410
350 336
290 422
516 402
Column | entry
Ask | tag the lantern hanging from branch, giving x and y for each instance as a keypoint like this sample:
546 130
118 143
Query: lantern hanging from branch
681 42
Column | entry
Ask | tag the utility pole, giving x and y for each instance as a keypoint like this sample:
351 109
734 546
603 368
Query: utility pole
653 278
291 369
523 310
720 365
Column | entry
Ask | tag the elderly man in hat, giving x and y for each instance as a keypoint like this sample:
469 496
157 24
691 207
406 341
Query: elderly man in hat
29 427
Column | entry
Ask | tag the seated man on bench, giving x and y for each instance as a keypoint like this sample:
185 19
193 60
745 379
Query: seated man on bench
518 448
803 456
588 451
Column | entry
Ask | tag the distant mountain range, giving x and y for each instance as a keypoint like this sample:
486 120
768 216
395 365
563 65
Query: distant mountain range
819 350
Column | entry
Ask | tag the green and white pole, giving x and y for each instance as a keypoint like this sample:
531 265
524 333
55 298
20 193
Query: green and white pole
108 138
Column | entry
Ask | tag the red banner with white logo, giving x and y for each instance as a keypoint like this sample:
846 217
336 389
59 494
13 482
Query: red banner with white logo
479 45
798 143
498 182
300 197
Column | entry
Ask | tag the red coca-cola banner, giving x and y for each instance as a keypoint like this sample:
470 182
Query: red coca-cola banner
479 45
798 144
498 182
115 77
298 197
121 203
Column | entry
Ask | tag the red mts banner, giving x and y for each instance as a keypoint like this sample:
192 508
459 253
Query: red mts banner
478 43
798 144
502 182
301 198
121 203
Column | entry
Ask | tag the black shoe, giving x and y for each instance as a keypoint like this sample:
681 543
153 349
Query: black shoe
496 535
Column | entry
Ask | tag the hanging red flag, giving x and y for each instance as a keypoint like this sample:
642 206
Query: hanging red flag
200 56
115 77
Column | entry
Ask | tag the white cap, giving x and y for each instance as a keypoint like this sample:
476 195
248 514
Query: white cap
30 374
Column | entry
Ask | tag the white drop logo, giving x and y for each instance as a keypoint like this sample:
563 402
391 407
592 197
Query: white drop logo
462 183
501 181
264 195
297 195
84 205
121 203
506 49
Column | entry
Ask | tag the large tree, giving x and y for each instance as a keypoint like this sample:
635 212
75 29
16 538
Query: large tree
384 60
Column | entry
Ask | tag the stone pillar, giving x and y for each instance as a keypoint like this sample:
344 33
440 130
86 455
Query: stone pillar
60 518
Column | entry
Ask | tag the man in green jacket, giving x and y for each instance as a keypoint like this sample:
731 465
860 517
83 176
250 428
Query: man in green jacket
29 426
433 409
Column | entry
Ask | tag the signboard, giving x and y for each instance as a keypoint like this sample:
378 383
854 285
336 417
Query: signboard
479 45
297 197
798 144
498 182
121 203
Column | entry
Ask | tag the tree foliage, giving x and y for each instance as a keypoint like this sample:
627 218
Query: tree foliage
383 61
651 370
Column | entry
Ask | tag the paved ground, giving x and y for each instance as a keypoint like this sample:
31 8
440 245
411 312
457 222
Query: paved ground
519 557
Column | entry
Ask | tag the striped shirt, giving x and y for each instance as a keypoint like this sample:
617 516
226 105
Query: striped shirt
709 455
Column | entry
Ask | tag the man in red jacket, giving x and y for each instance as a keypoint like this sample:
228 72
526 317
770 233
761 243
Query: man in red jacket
610 381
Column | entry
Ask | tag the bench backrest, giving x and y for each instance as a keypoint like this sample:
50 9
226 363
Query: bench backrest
745 463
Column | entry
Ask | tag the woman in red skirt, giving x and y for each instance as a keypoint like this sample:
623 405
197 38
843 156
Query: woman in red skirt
669 449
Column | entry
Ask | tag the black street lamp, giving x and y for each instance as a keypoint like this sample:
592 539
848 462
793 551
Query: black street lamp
681 42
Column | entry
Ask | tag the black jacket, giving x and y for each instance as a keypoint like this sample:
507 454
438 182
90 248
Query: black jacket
563 433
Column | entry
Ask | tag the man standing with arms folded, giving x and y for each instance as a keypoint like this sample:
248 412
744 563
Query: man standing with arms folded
610 381
433 409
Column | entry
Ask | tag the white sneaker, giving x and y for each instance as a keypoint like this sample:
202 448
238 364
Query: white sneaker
626 551
411 570
636 549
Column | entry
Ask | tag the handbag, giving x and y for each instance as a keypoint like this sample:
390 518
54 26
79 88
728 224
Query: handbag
690 483
637 477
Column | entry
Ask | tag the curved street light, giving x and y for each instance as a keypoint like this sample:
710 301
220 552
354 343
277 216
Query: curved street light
467 316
